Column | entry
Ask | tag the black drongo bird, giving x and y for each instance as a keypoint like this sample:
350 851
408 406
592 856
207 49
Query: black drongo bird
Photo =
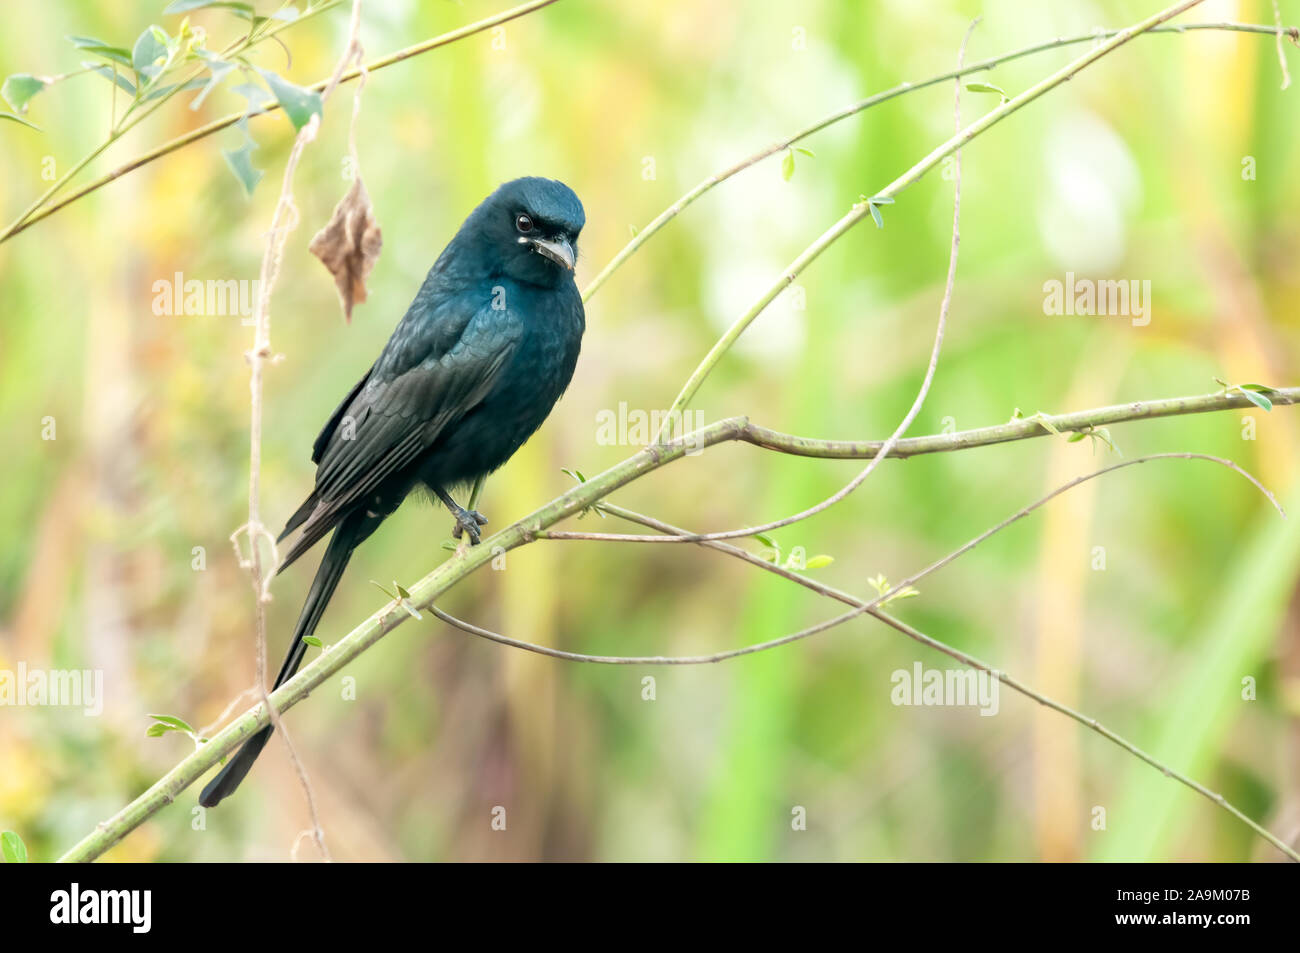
485 350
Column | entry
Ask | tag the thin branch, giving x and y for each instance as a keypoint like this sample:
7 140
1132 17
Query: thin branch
780 145
1281 53
32 215
1020 514
873 608
206 731
864 208
743 430
945 305
1021 429
120 128
973 662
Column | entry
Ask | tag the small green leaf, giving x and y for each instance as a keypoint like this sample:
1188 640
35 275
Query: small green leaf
19 88
382 589
157 730
100 48
175 723
575 474
766 541
808 152
241 163
112 76
299 104
986 88
313 641
401 592
1103 434
450 545
882 586
1076 436
875 214
1045 423
1256 398
146 53
15 851
817 562
20 119
114 53
185 6
787 165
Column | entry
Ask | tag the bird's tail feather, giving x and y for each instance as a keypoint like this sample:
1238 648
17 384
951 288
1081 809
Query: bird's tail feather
327 578
299 516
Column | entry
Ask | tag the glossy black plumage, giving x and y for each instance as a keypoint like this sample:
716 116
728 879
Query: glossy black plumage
483 353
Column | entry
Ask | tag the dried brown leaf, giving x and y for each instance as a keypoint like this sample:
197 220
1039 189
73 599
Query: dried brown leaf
349 245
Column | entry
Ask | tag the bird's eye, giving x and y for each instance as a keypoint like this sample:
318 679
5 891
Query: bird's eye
524 223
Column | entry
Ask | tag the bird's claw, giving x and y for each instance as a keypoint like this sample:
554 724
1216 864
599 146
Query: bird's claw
469 521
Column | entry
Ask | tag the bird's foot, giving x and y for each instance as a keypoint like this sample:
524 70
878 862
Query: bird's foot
468 521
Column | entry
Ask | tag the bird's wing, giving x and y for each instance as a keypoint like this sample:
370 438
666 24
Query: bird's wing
400 413
340 412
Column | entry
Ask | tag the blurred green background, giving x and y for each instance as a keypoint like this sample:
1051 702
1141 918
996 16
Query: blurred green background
1137 169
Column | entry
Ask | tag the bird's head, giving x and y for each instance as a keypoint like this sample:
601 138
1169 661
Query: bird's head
531 227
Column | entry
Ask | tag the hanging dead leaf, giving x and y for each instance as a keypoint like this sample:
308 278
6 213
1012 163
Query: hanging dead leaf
349 245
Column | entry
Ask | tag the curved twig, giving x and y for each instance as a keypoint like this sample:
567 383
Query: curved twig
39 210
780 145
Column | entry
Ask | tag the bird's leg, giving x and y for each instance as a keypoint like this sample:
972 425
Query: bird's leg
467 520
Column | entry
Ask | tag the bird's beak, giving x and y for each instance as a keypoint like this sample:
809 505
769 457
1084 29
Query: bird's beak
558 250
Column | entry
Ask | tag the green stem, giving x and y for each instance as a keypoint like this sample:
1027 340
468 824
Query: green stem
901 89
875 607
1014 430
265 31
32 216
863 208
29 215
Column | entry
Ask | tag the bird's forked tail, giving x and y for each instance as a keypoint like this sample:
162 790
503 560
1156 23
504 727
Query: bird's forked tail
327 578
